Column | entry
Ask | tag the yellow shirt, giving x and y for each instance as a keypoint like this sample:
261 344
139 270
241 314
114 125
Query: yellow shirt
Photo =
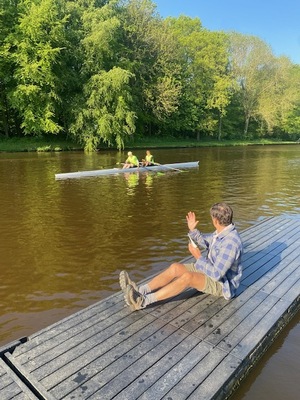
132 160
150 158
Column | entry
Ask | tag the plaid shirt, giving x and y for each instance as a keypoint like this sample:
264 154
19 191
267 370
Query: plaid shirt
223 261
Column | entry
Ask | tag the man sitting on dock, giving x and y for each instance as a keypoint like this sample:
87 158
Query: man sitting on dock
217 273
131 161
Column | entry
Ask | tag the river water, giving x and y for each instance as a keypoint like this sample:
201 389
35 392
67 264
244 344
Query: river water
63 243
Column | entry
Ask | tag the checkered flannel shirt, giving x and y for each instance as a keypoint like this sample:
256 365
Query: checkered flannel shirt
223 260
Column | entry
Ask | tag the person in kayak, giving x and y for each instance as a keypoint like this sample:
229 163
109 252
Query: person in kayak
149 159
131 161
217 273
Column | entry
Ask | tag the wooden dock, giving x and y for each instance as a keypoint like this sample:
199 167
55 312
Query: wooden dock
193 347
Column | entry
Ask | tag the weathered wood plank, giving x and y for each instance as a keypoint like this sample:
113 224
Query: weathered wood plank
283 281
210 319
28 378
57 332
109 382
235 320
207 379
71 359
147 374
229 338
11 387
264 232
267 268
181 381
250 346
267 244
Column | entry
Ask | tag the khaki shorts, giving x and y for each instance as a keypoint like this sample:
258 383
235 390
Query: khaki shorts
211 286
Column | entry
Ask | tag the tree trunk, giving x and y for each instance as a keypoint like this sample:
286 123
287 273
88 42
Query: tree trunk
5 110
247 120
220 126
5 120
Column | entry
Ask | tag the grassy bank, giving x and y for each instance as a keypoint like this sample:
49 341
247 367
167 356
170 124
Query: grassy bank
173 142
27 144
32 144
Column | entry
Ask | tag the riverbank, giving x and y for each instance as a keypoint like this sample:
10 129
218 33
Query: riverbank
55 144
36 144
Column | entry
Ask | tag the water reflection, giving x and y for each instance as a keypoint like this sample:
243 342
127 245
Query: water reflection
132 180
148 179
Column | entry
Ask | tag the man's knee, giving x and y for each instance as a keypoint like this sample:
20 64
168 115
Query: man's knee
186 278
194 280
177 269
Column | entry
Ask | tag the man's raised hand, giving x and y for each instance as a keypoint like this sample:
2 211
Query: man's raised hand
191 220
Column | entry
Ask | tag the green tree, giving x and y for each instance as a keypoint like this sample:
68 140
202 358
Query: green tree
103 109
220 90
8 21
206 81
35 48
150 54
281 100
251 63
106 116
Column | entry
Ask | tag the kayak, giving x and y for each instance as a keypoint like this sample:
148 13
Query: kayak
114 171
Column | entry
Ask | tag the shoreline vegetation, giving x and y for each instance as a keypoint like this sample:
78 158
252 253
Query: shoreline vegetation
53 144
117 73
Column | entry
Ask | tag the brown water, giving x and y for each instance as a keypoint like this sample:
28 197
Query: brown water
63 243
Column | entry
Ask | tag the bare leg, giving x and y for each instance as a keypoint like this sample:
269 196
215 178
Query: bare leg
174 271
174 280
169 283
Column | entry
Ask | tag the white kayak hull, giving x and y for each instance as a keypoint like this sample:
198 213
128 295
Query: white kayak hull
115 171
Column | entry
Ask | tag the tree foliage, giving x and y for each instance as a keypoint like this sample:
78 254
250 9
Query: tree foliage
108 70
206 80
264 86
36 44
105 115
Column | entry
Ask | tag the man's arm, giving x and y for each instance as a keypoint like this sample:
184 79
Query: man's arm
195 251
